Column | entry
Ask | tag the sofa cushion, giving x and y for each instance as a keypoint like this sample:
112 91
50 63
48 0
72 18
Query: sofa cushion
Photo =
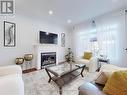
103 77
117 84
105 72
11 85
111 68
87 55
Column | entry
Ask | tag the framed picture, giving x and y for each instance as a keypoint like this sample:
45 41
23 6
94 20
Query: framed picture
63 39
9 34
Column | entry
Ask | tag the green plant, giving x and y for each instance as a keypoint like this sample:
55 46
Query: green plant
69 56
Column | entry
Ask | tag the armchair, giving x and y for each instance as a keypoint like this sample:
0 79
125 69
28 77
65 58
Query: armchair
89 60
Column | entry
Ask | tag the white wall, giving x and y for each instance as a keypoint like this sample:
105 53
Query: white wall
27 30
117 17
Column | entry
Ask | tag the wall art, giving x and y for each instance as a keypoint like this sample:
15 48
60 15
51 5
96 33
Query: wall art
9 34
63 39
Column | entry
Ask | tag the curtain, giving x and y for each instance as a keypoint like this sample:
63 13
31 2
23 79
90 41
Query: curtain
108 33
107 40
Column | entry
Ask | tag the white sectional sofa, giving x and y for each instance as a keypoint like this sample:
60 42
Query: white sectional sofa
11 82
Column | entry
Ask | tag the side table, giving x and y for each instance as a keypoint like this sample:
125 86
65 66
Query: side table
99 62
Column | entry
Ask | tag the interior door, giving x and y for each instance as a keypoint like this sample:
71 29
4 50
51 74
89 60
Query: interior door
124 58
125 37
122 43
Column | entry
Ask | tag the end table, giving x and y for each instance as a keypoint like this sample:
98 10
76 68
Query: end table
100 60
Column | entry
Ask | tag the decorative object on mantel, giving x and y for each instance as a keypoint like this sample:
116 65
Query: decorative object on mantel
9 34
63 39
28 58
69 56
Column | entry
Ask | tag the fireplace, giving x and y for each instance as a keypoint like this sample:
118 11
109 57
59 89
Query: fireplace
48 59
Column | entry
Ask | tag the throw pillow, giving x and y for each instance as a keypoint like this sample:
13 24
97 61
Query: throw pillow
87 55
116 84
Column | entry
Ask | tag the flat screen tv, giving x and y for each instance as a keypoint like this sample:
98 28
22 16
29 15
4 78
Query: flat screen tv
48 38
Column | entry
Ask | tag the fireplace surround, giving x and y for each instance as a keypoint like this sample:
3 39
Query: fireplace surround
44 48
48 59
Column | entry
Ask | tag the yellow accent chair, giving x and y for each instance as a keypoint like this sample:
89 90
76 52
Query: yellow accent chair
89 60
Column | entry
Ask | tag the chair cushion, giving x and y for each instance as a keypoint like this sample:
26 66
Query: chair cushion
84 61
117 84
87 55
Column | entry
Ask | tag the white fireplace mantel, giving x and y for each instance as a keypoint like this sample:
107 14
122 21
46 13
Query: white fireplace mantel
43 48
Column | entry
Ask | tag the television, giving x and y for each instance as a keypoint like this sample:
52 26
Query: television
48 38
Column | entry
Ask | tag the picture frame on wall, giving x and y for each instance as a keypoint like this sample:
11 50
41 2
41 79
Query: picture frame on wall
9 34
63 39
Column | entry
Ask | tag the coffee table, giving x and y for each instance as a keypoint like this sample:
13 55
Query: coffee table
64 73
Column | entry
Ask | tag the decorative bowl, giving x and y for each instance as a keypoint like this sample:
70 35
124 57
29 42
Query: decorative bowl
28 57
19 61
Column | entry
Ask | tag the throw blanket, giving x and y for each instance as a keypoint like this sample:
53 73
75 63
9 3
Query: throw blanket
117 84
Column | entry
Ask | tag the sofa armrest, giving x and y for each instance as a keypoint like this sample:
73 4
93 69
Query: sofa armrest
89 89
12 69
11 85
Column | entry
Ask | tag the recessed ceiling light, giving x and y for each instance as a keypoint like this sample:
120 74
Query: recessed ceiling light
68 21
50 12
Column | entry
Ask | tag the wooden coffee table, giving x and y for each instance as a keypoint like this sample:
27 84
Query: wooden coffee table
64 73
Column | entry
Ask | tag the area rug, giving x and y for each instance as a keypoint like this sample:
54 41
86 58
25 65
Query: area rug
36 83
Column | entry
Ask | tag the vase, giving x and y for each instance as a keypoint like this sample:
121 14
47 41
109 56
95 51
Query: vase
28 57
19 61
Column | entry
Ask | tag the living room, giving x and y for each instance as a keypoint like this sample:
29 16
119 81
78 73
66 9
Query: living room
40 39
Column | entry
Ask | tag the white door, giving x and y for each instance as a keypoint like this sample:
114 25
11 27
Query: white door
125 41
124 46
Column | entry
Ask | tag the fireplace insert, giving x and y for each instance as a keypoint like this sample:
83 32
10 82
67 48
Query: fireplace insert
48 59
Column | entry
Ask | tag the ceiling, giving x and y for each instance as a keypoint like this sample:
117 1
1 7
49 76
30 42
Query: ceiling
75 10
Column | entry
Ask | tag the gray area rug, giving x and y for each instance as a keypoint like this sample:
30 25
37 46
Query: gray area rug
36 83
